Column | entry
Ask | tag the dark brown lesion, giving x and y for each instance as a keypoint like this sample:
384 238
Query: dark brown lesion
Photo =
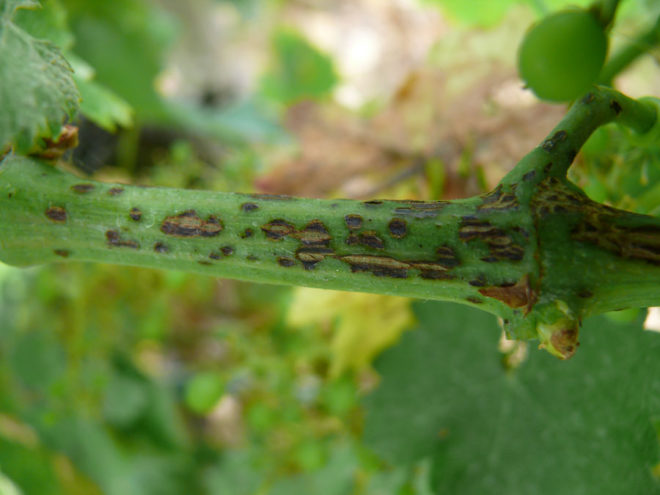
247 233
499 200
430 270
278 229
159 247
416 209
315 233
380 266
227 250
248 207
398 228
114 239
551 143
520 294
190 224
135 214
82 188
215 255
353 222
447 257
286 261
311 256
368 238
56 214
115 191
63 253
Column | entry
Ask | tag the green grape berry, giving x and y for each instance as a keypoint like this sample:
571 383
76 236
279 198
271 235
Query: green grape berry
562 55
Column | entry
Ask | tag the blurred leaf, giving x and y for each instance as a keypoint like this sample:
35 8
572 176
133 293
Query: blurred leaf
38 359
139 34
102 106
299 70
366 323
336 477
125 399
485 13
203 391
30 469
235 474
581 426
37 91
46 23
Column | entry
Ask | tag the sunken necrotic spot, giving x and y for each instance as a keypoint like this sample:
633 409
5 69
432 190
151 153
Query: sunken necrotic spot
380 266
115 191
286 262
115 240
248 207
62 252
277 229
315 233
372 203
474 300
398 228
368 238
227 250
529 176
135 214
614 105
159 247
247 233
310 256
214 256
446 256
56 214
551 143
190 224
82 188
353 222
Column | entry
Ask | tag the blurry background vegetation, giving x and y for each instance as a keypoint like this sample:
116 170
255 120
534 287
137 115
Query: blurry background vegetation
125 381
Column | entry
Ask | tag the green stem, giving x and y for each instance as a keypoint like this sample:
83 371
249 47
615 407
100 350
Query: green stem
621 60
535 251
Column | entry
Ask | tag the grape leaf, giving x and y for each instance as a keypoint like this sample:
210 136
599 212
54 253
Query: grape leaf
37 91
299 70
547 427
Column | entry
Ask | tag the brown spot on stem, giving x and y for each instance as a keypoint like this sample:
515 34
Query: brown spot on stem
159 247
518 295
214 256
227 250
447 257
380 266
310 256
135 214
368 238
314 234
398 228
614 105
551 143
189 224
430 270
82 188
247 233
420 209
56 214
373 202
286 262
474 300
204 262
62 252
565 341
248 207
115 191
353 222
277 229
114 240
529 176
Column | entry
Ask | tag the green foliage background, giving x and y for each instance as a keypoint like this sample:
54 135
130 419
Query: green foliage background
126 381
